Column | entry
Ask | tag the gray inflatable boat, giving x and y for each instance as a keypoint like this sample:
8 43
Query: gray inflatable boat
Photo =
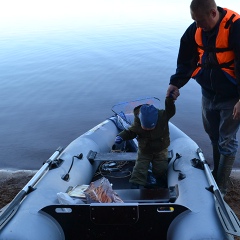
191 207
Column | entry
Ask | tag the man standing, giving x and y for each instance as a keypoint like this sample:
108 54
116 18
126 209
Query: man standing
210 53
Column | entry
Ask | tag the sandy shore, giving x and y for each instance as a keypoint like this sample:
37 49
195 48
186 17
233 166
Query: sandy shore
7 174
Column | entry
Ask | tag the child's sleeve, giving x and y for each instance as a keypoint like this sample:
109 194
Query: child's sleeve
127 134
170 107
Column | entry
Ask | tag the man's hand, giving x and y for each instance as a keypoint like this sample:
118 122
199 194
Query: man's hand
236 111
173 92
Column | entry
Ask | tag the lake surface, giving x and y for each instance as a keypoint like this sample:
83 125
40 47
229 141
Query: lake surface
64 64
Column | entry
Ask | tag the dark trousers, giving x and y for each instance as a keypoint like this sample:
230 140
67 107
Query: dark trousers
159 166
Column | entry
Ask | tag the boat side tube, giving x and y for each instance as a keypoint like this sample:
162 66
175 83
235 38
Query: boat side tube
202 221
28 223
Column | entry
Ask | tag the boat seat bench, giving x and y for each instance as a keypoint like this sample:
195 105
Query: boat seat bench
116 156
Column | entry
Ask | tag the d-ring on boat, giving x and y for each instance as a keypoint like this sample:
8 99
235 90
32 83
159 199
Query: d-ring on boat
190 208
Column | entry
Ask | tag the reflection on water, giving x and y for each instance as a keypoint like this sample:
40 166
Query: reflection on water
63 66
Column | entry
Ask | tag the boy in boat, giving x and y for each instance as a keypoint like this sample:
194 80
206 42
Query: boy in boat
151 129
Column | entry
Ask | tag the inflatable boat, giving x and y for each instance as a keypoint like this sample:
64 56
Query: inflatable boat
62 200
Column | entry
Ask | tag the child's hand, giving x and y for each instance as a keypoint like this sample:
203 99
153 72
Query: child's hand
118 140
172 92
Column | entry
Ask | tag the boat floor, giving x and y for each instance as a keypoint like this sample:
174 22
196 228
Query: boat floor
118 174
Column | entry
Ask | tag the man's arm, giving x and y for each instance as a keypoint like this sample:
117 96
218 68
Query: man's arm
186 61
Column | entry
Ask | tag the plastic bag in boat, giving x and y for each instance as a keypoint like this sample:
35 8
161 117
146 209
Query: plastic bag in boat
64 198
100 191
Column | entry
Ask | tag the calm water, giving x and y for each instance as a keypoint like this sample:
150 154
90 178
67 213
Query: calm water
64 64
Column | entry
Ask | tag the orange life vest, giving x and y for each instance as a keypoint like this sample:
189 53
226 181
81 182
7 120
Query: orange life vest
224 54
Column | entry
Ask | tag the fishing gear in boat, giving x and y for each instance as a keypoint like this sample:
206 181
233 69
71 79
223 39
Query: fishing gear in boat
13 206
114 169
110 167
226 215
